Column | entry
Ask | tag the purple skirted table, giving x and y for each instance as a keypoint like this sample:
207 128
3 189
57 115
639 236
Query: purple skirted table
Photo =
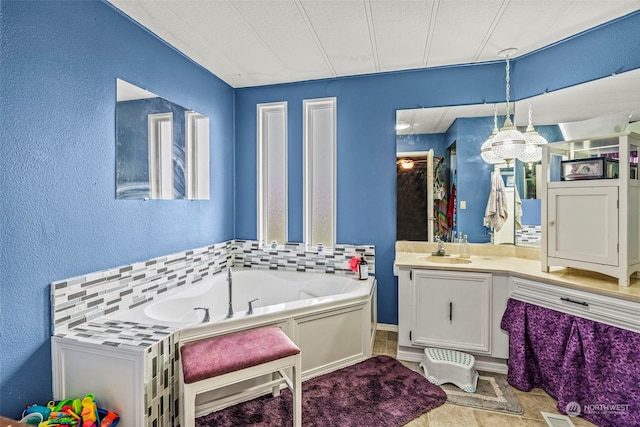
575 360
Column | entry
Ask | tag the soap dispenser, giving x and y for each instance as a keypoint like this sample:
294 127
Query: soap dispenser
363 268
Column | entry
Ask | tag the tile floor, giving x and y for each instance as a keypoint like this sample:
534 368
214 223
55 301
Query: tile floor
449 415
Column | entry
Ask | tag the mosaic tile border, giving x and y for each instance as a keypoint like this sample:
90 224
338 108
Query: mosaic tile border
529 234
81 299
84 299
297 257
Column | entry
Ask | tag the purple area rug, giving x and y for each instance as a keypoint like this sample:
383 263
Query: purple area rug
377 392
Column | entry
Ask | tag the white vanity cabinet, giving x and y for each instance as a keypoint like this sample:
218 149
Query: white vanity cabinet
591 205
455 310
452 310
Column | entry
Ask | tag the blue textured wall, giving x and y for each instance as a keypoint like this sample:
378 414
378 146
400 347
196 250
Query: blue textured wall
59 216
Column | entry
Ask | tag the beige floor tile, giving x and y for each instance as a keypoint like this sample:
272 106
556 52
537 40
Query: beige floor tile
526 422
533 404
421 421
382 335
380 347
451 415
497 419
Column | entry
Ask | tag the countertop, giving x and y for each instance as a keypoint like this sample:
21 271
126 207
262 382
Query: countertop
516 261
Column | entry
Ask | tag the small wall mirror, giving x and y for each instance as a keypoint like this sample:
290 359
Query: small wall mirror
162 148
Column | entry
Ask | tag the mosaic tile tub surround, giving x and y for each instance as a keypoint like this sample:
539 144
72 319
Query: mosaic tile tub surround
83 300
298 257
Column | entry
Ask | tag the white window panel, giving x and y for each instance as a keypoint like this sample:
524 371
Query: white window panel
272 172
320 136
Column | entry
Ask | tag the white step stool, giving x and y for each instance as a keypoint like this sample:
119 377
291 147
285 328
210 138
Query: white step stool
450 366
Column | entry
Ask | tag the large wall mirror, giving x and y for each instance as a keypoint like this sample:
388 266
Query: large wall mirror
162 148
438 159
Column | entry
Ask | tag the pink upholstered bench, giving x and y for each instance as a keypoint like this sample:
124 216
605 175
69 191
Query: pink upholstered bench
216 362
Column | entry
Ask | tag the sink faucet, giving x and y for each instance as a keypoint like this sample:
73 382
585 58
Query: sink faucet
440 251
230 280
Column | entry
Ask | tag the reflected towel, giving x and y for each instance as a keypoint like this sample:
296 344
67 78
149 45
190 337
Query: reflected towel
496 212
518 209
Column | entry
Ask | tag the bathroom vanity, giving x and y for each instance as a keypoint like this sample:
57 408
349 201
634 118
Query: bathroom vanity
459 306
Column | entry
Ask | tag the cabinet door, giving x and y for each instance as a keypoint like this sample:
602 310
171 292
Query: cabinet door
583 224
452 310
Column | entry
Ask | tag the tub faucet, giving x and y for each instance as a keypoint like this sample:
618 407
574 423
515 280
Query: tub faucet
230 280
206 314
250 311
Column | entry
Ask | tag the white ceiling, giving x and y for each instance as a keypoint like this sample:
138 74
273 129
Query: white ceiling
260 42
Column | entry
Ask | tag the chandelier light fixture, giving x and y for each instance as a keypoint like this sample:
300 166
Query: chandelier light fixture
533 144
509 143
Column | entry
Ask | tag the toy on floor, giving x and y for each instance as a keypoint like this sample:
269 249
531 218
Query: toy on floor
71 412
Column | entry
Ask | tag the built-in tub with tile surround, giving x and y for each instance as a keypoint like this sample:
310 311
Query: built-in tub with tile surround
130 355
271 291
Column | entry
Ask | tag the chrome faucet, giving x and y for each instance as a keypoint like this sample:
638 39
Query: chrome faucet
441 251
250 311
230 280
206 314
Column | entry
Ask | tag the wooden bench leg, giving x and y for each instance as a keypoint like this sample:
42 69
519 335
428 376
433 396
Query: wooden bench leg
188 403
275 391
297 393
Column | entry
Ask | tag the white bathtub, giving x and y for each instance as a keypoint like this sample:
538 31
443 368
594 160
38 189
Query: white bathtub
278 291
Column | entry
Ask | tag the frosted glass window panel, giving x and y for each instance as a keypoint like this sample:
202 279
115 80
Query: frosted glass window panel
272 172
160 155
320 171
197 156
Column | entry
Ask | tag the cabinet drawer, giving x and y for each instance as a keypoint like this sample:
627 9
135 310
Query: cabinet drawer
608 310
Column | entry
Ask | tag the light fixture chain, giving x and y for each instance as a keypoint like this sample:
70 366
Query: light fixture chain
508 87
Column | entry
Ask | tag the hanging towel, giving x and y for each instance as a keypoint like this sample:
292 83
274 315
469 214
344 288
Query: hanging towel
451 209
518 209
496 212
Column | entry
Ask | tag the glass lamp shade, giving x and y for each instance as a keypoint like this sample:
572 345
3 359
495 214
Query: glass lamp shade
509 143
533 146
486 151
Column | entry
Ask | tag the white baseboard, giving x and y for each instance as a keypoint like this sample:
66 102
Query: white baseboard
387 327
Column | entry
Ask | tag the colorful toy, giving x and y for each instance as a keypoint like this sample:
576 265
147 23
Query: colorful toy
72 413
109 419
89 412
